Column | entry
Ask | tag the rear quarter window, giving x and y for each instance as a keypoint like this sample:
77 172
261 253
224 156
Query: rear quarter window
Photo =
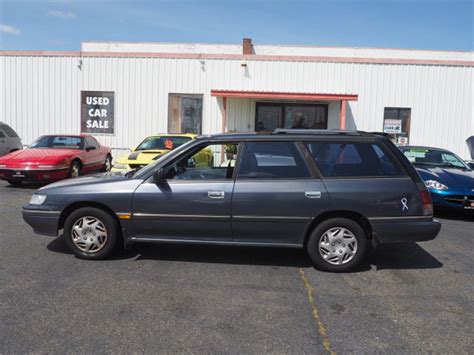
354 159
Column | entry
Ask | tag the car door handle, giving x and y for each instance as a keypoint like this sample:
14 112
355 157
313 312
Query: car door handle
216 194
313 194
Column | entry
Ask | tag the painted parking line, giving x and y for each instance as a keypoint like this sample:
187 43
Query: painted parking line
315 312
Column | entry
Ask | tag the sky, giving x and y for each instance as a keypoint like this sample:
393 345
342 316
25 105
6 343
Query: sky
64 24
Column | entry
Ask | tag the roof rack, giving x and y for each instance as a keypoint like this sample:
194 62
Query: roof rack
316 131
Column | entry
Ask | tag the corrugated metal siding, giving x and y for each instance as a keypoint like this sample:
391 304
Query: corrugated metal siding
40 95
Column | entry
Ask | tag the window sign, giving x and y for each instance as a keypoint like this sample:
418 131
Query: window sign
97 112
392 126
396 122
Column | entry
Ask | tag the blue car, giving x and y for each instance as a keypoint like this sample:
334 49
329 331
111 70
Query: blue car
449 179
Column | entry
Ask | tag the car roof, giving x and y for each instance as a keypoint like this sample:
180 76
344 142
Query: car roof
190 135
292 134
82 135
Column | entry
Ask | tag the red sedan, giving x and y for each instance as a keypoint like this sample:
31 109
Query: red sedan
55 157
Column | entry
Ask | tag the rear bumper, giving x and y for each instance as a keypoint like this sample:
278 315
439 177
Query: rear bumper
42 222
403 231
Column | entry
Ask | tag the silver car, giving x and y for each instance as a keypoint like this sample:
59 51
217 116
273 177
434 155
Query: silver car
9 139
334 194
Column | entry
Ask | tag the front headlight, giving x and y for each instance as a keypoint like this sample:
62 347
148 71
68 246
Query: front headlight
120 166
37 199
435 185
63 164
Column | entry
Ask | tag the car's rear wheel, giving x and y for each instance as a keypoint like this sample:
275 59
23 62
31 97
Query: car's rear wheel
91 233
107 164
337 244
75 169
14 183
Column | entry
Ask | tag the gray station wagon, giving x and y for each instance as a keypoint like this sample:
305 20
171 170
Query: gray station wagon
334 193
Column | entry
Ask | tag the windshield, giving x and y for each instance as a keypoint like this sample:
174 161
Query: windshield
434 157
58 142
168 142
146 170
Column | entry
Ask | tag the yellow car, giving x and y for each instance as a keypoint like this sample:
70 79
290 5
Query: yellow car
154 146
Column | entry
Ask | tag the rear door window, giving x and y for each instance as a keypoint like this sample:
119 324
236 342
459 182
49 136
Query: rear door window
272 160
353 159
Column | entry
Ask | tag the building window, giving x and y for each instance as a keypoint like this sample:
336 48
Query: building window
185 113
271 115
396 122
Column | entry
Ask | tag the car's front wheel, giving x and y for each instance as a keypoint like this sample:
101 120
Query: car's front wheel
337 244
91 233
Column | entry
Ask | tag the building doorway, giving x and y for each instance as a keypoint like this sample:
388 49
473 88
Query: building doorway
272 115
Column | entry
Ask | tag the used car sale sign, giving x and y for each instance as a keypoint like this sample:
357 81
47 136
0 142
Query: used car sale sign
97 112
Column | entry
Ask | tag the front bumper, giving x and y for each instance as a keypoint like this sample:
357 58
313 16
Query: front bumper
33 175
407 230
120 170
453 199
42 221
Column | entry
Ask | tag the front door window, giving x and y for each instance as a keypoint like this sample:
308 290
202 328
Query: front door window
212 162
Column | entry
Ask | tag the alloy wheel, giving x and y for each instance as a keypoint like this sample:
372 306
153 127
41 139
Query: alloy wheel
108 164
75 170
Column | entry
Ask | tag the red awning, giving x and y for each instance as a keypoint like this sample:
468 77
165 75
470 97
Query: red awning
284 95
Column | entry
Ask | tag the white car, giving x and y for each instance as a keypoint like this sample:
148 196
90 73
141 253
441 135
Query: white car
9 140
470 145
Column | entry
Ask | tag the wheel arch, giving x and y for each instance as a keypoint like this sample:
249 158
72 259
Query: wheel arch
76 205
352 215
78 159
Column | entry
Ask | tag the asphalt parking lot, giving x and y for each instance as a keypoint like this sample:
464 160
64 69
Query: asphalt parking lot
175 299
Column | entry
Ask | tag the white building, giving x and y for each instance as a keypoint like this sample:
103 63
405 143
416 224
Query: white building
423 97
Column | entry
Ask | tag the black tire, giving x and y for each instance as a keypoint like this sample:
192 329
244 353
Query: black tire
112 231
14 183
72 172
107 164
325 226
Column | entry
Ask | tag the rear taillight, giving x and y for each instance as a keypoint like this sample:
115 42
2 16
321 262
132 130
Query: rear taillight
427 203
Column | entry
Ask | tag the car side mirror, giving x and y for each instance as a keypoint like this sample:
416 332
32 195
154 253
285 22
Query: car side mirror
159 177
88 149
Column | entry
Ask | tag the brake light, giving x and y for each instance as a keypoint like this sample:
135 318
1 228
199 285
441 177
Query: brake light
427 203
